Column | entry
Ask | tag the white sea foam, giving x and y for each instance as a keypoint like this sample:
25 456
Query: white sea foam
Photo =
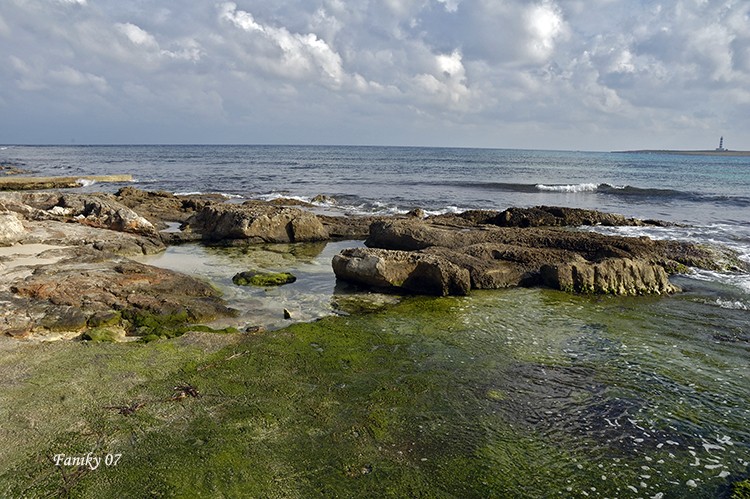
568 187
446 210
732 305
740 281
200 193
272 196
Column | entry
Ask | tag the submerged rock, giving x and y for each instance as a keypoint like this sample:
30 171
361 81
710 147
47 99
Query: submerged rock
254 278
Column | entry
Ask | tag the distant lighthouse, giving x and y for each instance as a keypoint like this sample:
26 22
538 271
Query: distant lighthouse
721 144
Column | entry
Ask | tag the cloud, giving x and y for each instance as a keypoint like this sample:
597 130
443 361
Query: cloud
472 70
447 83
544 25
301 55
4 29
136 35
72 77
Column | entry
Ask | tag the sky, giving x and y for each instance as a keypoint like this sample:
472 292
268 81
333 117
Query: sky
548 74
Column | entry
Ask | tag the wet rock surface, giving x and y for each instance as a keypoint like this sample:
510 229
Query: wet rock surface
524 255
65 271
255 222
68 272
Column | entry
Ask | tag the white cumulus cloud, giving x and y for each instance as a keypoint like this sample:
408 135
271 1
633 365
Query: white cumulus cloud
481 71
136 35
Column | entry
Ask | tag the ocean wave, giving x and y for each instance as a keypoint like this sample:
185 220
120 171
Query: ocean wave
732 305
568 187
201 193
631 192
739 281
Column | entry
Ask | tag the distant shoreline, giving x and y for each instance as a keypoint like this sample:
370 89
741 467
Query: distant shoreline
687 153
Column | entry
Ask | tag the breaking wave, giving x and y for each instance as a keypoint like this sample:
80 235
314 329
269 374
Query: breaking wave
630 192
568 187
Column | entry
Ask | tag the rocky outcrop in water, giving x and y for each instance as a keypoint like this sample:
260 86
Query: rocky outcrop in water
419 273
498 257
76 276
547 216
255 222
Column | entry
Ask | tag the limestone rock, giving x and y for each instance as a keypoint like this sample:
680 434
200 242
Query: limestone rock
73 295
11 228
412 272
255 223
93 210
497 257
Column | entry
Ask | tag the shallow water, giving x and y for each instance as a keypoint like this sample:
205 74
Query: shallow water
314 294
537 392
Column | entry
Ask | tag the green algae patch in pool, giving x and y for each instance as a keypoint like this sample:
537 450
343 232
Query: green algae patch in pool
741 490
255 278
521 393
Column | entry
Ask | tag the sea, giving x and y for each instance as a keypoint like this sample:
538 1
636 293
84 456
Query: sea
635 397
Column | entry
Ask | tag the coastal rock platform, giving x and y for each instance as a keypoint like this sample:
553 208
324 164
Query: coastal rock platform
523 247
66 269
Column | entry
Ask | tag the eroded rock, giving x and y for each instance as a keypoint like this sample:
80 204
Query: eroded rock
114 292
498 257
11 228
255 222
402 270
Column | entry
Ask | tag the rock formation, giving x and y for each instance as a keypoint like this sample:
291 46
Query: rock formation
523 255
71 273
255 222
76 276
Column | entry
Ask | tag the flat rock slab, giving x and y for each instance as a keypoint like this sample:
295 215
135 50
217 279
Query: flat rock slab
16 183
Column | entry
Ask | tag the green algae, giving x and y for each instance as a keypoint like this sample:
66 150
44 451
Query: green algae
444 397
99 335
741 490
255 278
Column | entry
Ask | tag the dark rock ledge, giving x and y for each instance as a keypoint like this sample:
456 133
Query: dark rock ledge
452 254
65 270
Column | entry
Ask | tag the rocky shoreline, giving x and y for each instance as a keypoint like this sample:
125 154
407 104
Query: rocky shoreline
67 272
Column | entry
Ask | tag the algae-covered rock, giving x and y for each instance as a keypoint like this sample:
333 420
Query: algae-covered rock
119 293
99 335
741 490
254 278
